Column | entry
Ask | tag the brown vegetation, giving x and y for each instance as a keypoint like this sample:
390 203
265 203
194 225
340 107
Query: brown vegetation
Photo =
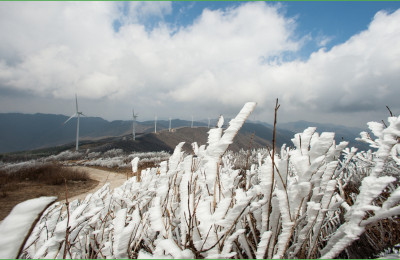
200 135
40 180
378 236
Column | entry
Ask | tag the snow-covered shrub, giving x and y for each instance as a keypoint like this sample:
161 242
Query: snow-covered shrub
15 167
201 206
116 158
66 155
244 159
107 162
93 155
149 159
385 164
113 153
16 226
135 162
143 155
390 253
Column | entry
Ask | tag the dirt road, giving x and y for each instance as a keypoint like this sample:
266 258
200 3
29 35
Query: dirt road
115 179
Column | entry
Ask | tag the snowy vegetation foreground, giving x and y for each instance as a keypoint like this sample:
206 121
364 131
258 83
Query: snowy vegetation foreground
296 204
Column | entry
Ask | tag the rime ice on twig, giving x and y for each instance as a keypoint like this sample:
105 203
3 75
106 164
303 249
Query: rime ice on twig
15 227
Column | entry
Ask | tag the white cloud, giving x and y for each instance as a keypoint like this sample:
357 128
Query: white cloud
360 74
136 11
57 49
323 40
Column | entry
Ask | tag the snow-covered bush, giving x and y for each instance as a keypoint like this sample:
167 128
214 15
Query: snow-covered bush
148 155
150 158
135 162
113 153
244 159
15 167
390 253
66 155
116 158
385 166
93 155
107 162
16 226
287 205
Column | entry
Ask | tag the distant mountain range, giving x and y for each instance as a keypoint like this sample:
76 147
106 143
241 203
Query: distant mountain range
342 133
21 132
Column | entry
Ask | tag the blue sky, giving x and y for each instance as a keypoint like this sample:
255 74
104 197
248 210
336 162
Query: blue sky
335 62
335 21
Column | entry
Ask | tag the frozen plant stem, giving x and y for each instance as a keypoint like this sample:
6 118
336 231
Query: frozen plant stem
66 244
273 160
31 229
391 114
247 162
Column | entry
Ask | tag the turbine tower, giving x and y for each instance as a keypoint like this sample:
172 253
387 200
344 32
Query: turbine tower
78 115
192 122
208 122
134 124
155 124
169 129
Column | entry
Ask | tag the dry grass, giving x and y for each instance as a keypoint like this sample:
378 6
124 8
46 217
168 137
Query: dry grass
40 180
50 174
378 236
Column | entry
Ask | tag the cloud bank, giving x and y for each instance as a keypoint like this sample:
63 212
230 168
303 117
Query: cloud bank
104 51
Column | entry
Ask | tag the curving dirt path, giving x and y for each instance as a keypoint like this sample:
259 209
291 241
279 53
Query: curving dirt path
115 179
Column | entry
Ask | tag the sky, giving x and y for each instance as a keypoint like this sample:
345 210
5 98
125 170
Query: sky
327 62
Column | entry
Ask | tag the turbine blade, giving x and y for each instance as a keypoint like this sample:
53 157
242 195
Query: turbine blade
74 115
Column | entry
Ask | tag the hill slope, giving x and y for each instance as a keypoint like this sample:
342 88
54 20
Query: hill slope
21 132
167 141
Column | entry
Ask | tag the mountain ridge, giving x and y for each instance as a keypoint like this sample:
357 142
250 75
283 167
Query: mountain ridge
22 132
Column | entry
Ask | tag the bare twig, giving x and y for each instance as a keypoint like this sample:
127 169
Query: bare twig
273 160
244 172
225 235
67 231
391 114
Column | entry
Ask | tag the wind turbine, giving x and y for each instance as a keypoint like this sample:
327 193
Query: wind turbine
192 122
134 124
208 122
169 129
77 114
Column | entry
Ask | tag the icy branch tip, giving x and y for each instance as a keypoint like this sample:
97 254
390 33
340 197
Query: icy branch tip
248 108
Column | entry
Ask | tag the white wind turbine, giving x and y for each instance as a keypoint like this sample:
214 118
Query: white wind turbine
77 114
191 126
134 124
169 129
